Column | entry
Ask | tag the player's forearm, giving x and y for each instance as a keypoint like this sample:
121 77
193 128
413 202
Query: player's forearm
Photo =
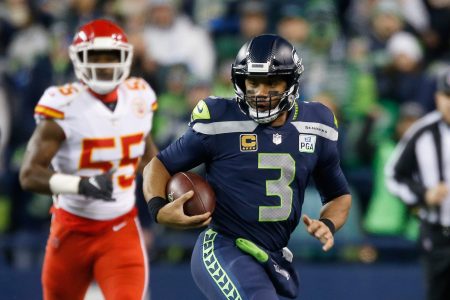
43 180
337 210
155 179
36 179
150 151
44 144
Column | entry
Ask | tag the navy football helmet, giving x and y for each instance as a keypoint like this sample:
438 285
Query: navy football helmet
267 55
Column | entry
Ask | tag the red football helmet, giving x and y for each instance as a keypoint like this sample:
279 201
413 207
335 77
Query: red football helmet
101 35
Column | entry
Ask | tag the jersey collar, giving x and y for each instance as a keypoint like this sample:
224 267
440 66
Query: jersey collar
107 98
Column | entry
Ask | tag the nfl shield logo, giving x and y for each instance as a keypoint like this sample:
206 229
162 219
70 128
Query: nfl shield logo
276 138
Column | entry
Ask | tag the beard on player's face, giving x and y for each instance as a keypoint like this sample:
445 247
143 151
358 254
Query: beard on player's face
263 102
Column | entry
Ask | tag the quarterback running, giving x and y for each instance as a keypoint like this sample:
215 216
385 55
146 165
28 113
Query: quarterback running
260 151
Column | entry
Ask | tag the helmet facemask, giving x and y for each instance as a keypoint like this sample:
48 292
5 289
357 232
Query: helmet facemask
265 109
102 77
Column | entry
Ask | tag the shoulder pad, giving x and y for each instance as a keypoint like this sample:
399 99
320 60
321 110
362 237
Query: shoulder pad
321 113
140 86
210 109
317 119
137 84
55 99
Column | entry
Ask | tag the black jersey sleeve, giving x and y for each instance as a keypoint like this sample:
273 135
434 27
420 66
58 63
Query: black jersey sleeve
185 153
328 176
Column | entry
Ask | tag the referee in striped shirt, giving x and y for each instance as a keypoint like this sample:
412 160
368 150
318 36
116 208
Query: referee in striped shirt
419 174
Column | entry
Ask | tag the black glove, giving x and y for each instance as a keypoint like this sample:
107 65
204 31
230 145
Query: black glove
99 187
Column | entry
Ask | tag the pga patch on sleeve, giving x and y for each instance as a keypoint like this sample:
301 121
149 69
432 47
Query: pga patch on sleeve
306 143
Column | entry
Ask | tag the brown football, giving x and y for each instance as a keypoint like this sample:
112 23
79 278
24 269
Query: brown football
202 201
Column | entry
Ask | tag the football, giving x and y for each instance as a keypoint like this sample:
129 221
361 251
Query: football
202 201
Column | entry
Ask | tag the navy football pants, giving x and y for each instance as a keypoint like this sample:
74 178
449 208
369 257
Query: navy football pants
222 271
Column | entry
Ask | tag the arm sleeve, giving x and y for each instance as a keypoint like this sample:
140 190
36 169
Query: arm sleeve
187 152
328 176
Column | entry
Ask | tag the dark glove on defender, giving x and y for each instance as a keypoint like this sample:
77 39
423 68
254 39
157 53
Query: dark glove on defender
99 186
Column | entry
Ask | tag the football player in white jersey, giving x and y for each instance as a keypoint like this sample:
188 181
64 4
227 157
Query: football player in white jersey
95 134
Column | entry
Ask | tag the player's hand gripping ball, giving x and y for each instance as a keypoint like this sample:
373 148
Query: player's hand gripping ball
202 201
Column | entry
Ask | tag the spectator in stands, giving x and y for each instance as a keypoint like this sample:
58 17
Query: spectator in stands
324 53
293 25
27 72
253 21
436 36
28 67
386 215
173 112
404 78
386 20
79 12
171 38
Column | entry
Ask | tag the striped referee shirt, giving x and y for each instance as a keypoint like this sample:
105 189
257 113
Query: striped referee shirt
420 161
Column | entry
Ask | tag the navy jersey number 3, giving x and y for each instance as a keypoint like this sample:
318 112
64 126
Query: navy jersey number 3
260 152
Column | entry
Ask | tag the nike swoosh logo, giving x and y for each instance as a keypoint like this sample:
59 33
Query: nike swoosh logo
200 109
94 182
119 226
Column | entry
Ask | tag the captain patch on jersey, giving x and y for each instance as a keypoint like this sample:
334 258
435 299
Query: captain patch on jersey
249 142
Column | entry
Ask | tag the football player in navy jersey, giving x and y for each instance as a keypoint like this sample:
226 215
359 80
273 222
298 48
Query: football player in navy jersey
259 151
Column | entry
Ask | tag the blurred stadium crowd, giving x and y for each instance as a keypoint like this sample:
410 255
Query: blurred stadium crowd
373 62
